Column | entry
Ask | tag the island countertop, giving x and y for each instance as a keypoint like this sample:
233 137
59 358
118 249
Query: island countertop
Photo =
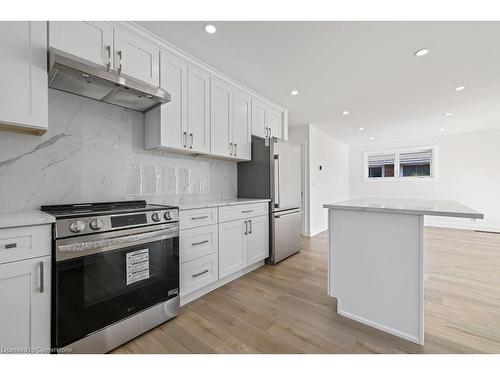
408 206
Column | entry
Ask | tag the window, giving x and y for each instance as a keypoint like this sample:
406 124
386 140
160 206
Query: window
401 164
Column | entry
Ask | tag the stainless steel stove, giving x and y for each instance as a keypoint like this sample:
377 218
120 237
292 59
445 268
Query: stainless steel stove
116 272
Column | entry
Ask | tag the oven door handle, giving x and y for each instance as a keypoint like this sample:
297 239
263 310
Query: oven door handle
78 249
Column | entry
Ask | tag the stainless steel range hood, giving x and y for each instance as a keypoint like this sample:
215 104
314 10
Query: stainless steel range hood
71 74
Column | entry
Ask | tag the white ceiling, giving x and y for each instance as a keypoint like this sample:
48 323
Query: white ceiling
367 68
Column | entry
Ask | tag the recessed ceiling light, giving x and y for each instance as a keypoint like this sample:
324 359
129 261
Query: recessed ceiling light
361 128
294 92
448 114
442 129
209 28
422 52
345 113
459 88
372 138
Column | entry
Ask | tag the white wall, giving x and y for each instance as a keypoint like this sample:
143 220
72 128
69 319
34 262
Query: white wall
468 172
329 184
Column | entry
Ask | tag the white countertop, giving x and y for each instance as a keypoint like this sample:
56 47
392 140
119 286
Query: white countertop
219 203
24 218
408 206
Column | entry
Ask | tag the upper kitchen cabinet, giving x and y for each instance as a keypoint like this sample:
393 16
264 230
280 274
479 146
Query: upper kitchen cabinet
24 90
241 130
221 118
198 137
137 58
266 120
89 40
166 126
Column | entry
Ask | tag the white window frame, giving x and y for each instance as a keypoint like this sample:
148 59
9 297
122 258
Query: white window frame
396 152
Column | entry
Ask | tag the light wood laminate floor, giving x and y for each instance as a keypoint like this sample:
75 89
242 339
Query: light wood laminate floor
285 308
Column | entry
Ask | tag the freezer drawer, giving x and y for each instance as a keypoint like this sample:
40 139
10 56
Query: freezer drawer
286 227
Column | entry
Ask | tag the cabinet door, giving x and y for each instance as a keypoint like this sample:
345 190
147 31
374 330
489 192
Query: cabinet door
232 247
88 40
259 127
220 119
24 90
174 114
258 239
25 296
241 130
274 122
136 58
198 111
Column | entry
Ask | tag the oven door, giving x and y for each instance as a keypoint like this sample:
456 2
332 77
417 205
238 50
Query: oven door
103 278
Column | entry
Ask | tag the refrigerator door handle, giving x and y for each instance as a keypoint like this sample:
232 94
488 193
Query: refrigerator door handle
276 181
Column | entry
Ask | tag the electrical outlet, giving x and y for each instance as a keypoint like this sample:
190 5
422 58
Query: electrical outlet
203 186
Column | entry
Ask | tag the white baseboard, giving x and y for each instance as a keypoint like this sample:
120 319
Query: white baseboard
314 232
217 284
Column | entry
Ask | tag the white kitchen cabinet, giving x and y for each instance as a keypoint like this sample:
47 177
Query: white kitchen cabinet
258 239
89 40
259 125
198 273
136 57
274 122
166 126
232 247
198 137
242 243
266 120
198 242
25 296
221 118
241 131
24 89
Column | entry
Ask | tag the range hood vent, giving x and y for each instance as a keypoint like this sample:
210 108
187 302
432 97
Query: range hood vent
74 75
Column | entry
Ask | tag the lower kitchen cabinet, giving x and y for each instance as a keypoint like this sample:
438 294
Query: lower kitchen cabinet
25 296
198 242
232 247
198 273
242 243
258 239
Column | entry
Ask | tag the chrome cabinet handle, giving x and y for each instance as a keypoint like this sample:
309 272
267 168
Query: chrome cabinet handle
11 245
231 148
108 64
42 281
192 140
235 149
200 273
246 227
120 61
185 139
251 226
199 243
199 217
246 211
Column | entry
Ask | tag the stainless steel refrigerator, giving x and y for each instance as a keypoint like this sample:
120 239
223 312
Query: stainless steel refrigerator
275 173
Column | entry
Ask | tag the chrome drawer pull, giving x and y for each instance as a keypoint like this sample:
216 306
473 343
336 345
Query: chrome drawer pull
12 245
199 243
200 273
246 211
199 217
108 64
251 226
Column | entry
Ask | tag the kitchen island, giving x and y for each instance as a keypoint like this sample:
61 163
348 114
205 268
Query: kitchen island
375 260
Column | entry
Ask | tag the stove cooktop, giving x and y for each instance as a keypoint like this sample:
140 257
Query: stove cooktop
92 209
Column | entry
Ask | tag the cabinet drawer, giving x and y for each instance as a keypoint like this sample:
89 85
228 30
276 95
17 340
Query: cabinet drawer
197 217
25 242
198 242
199 273
242 211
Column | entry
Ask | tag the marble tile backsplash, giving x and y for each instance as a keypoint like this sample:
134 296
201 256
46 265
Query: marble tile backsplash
95 152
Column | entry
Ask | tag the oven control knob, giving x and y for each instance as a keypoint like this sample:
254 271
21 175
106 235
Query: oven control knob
96 224
156 217
77 226
167 216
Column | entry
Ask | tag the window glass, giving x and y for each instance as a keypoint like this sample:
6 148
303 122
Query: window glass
381 165
415 164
